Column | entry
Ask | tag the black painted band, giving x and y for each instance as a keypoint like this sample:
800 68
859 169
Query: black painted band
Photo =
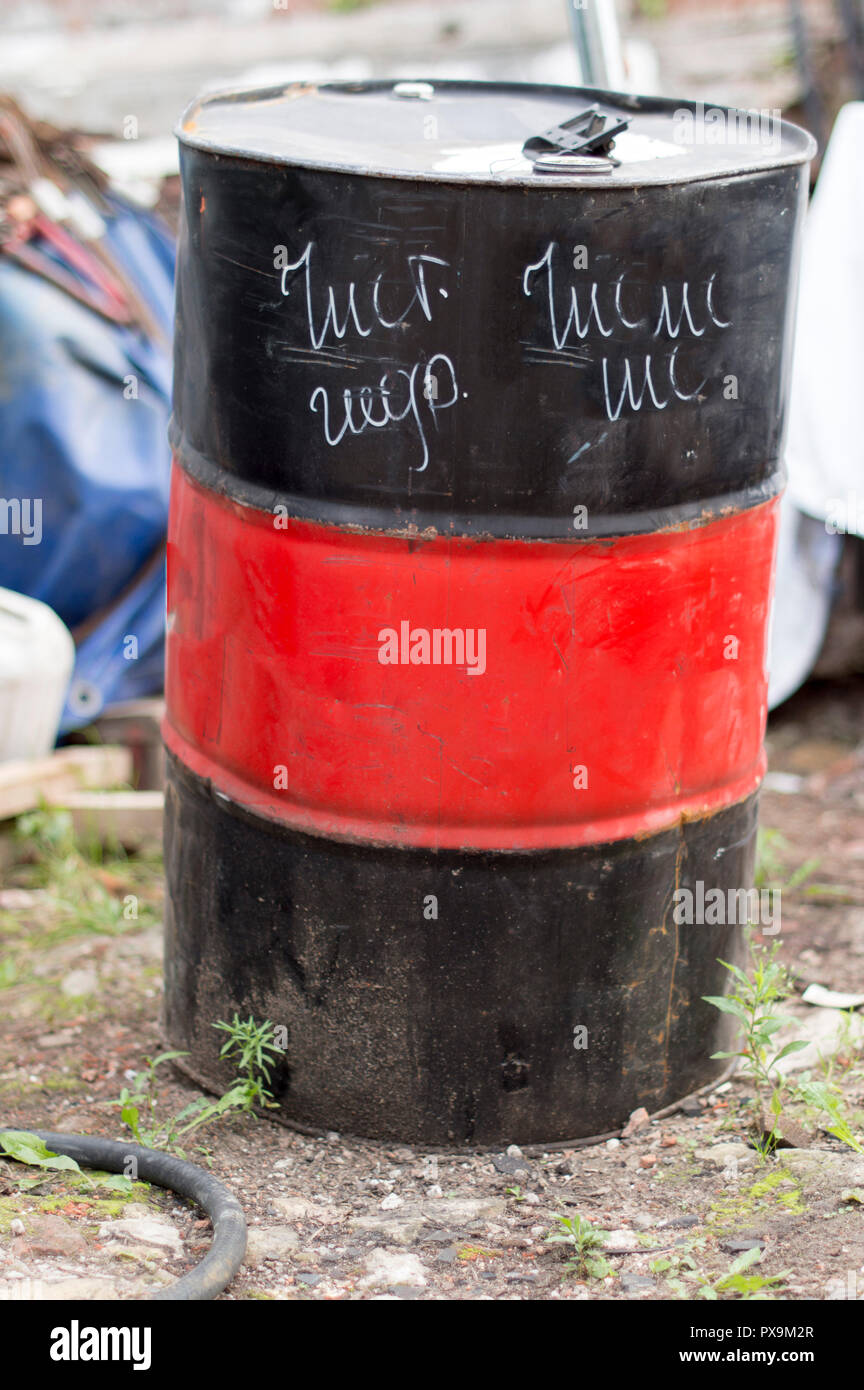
498 525
456 1028
532 418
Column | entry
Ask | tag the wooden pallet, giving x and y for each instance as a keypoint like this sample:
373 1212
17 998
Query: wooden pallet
72 779
29 783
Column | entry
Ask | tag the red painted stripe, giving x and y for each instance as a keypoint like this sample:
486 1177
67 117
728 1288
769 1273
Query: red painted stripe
616 656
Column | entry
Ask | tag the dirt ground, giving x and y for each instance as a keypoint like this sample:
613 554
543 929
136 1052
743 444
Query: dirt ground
681 1198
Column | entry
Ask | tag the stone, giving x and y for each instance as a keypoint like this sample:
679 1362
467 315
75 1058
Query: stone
144 1230
643 1221
17 900
396 1230
510 1165
390 1202
270 1243
458 1211
511 1240
821 1170
638 1120
690 1107
636 1283
623 1240
781 1131
51 1235
727 1155
61 1039
119 1250
80 982
301 1209
823 1030
385 1268
58 1290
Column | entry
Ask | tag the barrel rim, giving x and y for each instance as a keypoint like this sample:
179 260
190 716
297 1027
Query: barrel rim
807 145
424 523
223 792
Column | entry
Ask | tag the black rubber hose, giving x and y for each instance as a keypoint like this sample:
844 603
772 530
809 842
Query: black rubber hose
228 1246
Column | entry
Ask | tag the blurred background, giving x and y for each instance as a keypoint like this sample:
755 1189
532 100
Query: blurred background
91 64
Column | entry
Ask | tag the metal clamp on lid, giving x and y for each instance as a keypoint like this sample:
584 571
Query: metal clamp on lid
581 145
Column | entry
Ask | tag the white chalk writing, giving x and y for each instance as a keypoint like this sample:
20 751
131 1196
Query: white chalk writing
317 336
415 393
676 311
396 400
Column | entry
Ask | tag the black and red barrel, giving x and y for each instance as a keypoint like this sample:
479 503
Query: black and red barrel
477 429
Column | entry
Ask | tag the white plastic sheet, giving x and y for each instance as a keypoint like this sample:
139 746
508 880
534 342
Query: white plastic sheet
825 444
825 448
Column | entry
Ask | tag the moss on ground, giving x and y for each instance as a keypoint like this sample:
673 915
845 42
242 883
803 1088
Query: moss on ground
774 1191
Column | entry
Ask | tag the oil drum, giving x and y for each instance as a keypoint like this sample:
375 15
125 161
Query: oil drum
478 420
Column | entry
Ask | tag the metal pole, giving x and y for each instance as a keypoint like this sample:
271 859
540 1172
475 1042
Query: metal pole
598 42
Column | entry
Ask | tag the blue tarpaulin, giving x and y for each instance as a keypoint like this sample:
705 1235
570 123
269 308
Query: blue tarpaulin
84 405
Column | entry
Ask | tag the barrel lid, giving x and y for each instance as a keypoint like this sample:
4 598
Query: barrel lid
491 132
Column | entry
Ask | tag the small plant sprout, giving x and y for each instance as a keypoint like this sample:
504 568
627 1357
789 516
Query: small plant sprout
753 1001
770 868
252 1052
250 1046
138 1105
748 1286
829 1100
681 1270
584 1241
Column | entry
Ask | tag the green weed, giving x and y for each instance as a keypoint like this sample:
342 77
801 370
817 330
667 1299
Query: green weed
584 1241
249 1046
29 1149
753 1001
